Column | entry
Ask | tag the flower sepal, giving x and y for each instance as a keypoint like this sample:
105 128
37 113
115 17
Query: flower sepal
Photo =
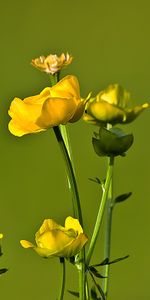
111 142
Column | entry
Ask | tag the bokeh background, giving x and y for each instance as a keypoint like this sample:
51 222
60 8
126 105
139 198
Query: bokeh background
110 42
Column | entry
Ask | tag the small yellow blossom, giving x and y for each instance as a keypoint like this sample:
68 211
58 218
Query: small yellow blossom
52 63
53 239
111 106
53 106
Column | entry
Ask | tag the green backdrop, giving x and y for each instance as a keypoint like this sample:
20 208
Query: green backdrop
110 42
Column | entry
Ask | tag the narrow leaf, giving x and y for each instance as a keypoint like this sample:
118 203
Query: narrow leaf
107 262
96 273
4 270
96 180
123 197
76 294
94 294
98 287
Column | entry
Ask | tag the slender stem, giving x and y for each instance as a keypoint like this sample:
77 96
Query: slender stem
100 212
63 277
54 78
87 290
65 135
76 205
70 172
82 280
107 240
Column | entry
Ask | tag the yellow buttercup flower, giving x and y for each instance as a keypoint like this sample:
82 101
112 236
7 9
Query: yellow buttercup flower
53 106
112 106
53 239
52 64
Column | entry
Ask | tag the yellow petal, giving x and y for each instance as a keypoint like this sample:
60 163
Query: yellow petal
56 111
54 241
89 119
73 247
67 87
133 113
47 225
104 112
115 94
74 224
79 112
24 116
26 244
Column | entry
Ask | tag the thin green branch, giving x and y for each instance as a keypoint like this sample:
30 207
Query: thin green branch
107 239
70 173
100 212
76 205
65 135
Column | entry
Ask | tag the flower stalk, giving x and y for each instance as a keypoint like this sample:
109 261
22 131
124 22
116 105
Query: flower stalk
108 229
70 172
100 211
63 278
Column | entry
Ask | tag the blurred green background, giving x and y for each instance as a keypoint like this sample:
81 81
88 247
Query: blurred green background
110 42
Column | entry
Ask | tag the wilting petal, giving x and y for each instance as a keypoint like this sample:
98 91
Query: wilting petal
52 63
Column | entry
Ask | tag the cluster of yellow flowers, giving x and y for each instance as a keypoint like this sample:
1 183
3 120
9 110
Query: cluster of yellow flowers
57 105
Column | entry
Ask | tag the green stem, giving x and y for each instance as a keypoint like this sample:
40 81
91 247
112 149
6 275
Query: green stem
65 135
82 280
87 289
107 240
54 78
63 278
63 140
100 212
76 205
70 173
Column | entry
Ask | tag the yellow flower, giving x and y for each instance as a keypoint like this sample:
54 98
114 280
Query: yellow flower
53 239
52 63
111 106
53 106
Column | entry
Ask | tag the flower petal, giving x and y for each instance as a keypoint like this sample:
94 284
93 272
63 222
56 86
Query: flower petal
56 111
26 244
67 87
104 112
23 117
74 224
132 113
74 247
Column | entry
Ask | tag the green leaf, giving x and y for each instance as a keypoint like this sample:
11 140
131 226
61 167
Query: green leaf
122 197
76 294
98 287
94 294
107 262
96 180
4 270
95 272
